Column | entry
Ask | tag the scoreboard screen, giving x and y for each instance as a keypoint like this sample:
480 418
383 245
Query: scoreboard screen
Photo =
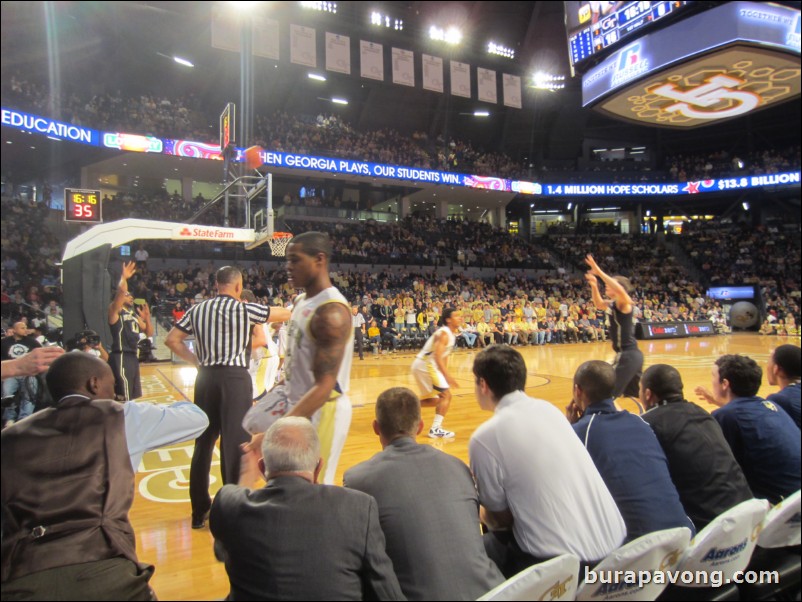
596 26
719 64
731 293
82 206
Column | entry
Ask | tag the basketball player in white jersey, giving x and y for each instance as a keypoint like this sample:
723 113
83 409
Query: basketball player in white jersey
317 369
264 360
281 335
263 365
430 370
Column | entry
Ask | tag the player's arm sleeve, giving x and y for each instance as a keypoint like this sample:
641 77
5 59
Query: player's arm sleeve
150 426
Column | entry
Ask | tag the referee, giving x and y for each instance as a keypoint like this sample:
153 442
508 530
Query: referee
358 322
221 327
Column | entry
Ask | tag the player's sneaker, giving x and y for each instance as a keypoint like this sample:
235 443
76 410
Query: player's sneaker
438 433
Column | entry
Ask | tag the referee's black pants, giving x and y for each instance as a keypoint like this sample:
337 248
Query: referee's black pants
225 393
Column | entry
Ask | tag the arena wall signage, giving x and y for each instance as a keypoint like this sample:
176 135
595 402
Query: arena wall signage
670 188
730 293
674 330
54 129
719 64
203 150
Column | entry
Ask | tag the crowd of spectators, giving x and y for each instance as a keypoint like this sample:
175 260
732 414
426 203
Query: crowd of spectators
723 164
167 117
420 241
163 206
30 277
768 257
331 135
327 135
664 286
727 253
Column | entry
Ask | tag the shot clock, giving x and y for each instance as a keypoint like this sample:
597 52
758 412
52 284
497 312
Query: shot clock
82 206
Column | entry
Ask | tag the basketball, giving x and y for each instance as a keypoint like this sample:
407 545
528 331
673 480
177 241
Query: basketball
253 157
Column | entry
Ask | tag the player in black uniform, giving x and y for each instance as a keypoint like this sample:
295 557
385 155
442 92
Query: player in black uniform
126 326
629 359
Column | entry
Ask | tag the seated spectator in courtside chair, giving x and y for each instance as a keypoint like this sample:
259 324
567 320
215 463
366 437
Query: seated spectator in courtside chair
390 337
763 437
627 454
542 512
783 370
21 392
708 478
75 541
436 549
374 337
296 539
469 334
766 327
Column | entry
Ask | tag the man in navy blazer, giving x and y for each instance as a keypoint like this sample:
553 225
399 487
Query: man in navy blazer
428 508
295 539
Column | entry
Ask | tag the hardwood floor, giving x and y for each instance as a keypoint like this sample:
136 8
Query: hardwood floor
185 565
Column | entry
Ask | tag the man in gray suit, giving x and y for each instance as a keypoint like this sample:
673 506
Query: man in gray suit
428 507
294 539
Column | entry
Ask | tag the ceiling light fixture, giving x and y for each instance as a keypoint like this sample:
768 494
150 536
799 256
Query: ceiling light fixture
182 61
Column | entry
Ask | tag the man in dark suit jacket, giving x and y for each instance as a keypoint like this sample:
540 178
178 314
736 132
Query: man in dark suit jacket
294 539
428 508
67 487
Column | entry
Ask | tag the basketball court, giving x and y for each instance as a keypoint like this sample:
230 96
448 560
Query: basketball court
185 565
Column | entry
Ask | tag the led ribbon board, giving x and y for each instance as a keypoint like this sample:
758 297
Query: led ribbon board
202 150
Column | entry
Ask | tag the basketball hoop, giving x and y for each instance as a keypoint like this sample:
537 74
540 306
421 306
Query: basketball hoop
278 243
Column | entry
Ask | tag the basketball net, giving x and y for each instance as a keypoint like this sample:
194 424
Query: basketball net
278 243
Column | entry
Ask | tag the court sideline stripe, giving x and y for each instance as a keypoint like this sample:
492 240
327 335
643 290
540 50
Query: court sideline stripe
173 385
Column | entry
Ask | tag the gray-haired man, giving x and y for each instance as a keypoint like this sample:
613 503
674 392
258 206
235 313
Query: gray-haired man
266 535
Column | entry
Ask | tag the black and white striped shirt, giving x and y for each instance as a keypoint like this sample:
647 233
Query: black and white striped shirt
222 328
